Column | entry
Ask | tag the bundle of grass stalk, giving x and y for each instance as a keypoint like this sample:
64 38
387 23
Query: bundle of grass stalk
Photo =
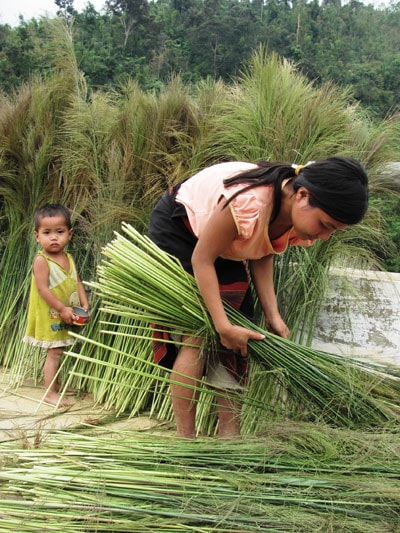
293 479
139 281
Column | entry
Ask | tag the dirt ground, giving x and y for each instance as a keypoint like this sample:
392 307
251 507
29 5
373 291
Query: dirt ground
24 416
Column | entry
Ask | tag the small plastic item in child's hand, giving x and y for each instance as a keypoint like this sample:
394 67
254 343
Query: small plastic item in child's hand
81 316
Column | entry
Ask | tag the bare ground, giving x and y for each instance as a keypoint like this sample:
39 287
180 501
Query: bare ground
25 417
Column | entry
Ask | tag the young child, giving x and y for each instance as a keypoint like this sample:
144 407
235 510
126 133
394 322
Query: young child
55 289
225 224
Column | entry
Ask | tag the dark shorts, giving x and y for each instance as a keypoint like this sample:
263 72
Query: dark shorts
170 229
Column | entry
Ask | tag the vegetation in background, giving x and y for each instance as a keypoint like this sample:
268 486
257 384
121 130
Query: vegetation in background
353 45
388 205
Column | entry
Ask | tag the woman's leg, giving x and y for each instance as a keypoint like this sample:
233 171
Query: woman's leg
184 399
228 409
228 391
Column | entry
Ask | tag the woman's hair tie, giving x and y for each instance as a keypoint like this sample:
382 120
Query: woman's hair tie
298 168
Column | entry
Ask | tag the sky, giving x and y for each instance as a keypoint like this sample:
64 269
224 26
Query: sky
11 9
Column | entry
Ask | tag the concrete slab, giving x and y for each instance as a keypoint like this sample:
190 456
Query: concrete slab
361 315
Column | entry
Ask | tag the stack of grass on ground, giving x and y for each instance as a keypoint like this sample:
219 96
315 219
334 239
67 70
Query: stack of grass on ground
295 478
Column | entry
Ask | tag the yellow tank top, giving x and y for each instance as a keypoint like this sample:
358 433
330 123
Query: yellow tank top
45 327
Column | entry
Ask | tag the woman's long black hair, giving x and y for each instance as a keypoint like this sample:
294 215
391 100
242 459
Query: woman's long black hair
337 185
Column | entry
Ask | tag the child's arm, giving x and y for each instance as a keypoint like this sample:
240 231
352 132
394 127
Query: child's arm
83 299
41 273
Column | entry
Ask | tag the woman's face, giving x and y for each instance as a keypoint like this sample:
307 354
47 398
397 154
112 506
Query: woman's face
311 223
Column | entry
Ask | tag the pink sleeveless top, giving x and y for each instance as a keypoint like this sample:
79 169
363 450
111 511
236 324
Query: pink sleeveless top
251 211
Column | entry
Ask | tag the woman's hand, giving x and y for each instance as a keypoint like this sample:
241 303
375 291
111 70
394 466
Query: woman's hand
263 277
236 338
277 325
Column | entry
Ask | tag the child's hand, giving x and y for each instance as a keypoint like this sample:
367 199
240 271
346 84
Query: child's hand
67 315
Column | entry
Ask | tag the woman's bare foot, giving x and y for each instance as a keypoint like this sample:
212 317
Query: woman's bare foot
68 390
229 435
53 398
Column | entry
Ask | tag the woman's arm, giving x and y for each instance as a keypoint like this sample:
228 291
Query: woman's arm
218 233
262 271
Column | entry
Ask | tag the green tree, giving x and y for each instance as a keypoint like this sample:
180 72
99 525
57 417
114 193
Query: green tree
132 14
95 49
66 10
351 44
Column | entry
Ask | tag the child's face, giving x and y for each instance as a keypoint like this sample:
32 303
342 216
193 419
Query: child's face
53 234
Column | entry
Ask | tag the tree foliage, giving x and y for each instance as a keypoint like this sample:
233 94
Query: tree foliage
353 45
388 205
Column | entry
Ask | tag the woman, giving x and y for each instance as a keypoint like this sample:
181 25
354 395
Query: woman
225 224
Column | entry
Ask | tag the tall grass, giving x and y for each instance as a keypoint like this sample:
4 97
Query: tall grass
273 112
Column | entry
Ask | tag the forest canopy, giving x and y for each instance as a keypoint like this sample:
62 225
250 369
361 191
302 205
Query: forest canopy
353 45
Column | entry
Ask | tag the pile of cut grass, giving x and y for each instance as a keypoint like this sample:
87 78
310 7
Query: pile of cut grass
295 478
